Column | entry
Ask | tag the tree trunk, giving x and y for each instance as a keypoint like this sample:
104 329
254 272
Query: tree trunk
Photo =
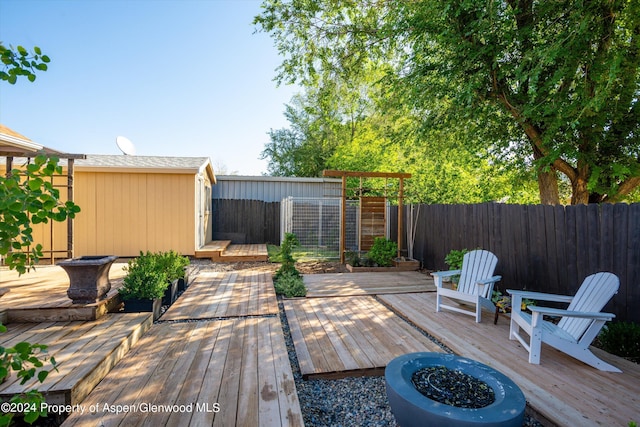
547 184
579 193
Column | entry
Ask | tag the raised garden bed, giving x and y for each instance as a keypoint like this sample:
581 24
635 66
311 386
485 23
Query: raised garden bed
399 265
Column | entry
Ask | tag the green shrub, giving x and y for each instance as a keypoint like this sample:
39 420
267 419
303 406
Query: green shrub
353 259
288 280
173 264
146 278
290 285
454 258
383 252
288 266
621 339
27 360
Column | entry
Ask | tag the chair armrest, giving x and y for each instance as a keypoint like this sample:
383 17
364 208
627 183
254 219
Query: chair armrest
493 279
439 275
446 273
569 313
540 296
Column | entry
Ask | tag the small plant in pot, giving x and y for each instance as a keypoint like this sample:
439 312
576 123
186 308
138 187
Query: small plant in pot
173 264
144 285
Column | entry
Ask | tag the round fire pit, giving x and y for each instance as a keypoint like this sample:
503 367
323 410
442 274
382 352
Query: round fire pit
412 408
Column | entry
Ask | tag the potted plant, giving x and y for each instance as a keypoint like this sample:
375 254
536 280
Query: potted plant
174 266
144 285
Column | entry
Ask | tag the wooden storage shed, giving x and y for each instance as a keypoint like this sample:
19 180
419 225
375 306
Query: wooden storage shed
138 203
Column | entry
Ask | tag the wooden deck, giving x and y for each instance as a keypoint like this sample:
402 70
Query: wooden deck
561 389
225 251
339 337
226 372
84 351
214 295
41 295
351 284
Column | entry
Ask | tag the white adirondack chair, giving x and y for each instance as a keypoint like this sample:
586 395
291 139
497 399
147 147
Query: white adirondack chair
580 323
475 285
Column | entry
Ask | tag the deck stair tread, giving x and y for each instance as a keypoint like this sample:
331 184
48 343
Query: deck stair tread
85 351
226 251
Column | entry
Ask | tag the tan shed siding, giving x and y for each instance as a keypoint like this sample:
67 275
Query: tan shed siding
84 227
125 213
42 232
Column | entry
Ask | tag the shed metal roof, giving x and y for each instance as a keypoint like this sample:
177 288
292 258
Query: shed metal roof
142 164
274 188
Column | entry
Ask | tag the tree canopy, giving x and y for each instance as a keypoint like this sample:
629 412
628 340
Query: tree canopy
19 62
524 85
28 196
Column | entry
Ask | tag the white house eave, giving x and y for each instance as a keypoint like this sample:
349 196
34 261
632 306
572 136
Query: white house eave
15 142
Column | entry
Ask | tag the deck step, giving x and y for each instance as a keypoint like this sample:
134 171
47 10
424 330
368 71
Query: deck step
212 249
225 251
85 352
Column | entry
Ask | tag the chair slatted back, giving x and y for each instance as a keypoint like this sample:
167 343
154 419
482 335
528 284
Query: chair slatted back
594 293
476 265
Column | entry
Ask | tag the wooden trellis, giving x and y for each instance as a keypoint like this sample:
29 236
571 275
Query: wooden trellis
374 218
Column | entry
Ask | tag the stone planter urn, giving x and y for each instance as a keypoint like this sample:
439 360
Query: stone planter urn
88 277
412 408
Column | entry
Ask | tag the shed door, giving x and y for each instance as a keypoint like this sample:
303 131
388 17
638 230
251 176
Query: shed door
203 194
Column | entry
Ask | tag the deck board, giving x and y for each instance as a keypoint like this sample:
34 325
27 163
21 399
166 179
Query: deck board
560 389
337 337
378 283
225 251
84 352
232 362
235 253
41 295
215 295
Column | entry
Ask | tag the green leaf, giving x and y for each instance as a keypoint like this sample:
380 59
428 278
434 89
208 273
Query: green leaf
35 184
31 417
23 347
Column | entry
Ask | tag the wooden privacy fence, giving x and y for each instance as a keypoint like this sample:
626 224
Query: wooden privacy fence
542 248
246 221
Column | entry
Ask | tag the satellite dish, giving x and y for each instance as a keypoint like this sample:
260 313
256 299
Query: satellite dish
125 146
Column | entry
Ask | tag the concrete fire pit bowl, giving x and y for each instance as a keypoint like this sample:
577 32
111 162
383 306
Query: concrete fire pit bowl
412 408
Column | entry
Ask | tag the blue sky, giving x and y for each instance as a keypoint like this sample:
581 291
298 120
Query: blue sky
176 77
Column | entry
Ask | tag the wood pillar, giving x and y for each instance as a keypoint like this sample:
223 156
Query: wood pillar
400 215
70 164
343 219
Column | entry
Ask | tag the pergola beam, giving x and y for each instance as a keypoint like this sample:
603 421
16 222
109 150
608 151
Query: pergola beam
343 214
337 173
